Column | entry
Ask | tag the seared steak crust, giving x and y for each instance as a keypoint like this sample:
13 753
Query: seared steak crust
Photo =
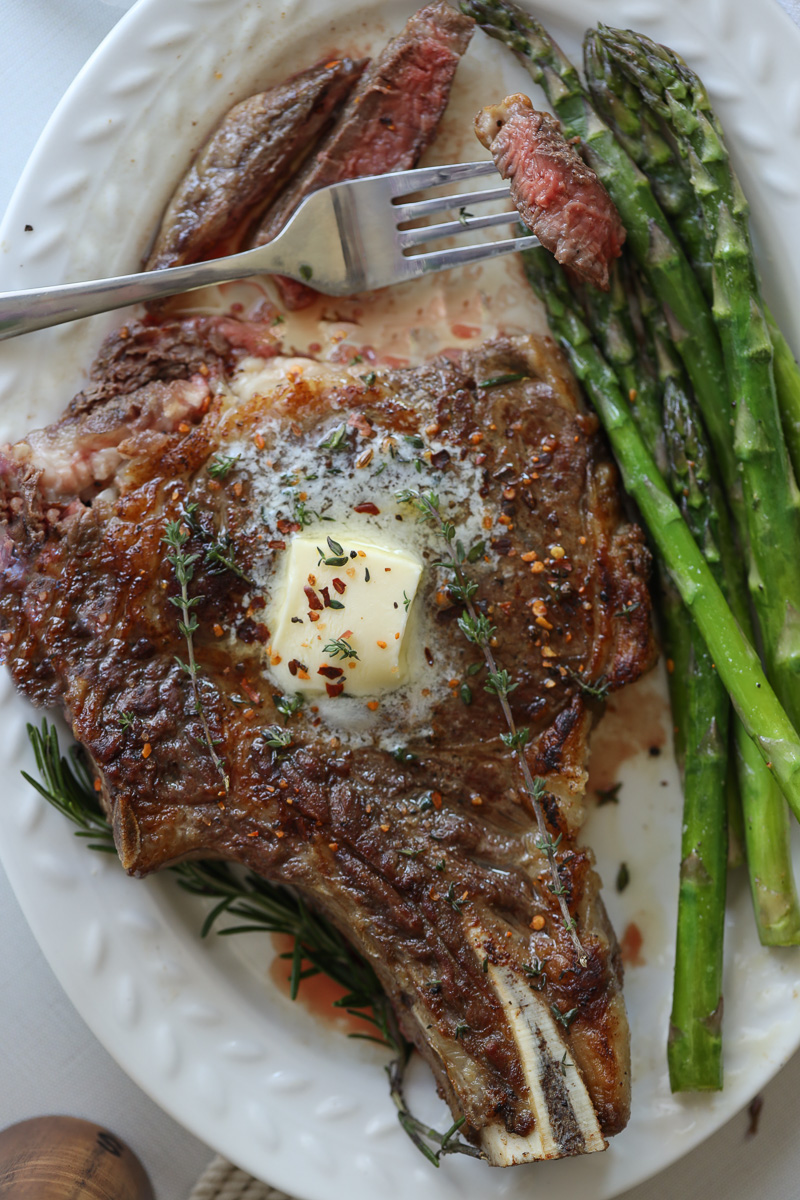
559 198
247 159
424 858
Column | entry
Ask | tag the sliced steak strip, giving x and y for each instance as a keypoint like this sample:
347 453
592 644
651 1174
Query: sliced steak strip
426 859
247 159
389 121
559 198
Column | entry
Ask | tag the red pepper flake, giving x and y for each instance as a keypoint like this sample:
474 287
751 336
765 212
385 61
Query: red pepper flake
98 787
333 846
373 705
259 441
147 750
360 423
250 691
437 799
334 689
295 665
330 672
218 630
382 645
278 544
313 616
284 524
326 596
367 507
339 586
314 601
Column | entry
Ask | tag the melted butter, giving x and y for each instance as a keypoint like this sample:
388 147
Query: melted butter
293 479
340 613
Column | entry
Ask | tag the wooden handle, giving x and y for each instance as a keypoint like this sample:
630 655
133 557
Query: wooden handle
63 1158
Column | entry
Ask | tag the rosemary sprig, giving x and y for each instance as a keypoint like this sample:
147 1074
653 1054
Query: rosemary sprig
258 907
66 784
478 630
176 536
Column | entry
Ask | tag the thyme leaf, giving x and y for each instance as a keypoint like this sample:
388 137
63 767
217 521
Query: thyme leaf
336 440
221 465
339 646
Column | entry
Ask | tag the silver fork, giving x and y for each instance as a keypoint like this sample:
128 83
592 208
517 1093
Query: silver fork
342 239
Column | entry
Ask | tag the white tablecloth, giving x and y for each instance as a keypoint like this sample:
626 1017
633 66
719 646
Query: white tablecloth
49 1060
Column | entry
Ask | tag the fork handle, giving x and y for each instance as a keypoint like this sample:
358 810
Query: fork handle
22 312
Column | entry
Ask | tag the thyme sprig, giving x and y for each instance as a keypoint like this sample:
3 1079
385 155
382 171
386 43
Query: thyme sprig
221 465
176 535
221 556
340 646
478 630
257 906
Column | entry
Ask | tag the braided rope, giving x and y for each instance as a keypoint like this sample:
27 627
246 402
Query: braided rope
221 1180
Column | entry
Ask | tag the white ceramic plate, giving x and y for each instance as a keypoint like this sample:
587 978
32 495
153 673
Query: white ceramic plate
199 1025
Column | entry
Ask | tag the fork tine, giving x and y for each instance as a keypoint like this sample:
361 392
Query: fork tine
460 256
402 183
429 233
423 208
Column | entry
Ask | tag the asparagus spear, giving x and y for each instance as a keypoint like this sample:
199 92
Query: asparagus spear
787 384
622 106
700 717
609 318
772 500
765 819
694 1044
736 661
637 129
766 831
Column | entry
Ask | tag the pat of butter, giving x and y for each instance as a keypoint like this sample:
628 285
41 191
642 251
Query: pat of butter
342 623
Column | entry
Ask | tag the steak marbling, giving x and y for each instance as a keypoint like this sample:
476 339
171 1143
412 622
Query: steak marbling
426 859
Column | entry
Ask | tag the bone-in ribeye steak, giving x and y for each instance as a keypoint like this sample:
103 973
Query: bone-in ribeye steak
427 860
